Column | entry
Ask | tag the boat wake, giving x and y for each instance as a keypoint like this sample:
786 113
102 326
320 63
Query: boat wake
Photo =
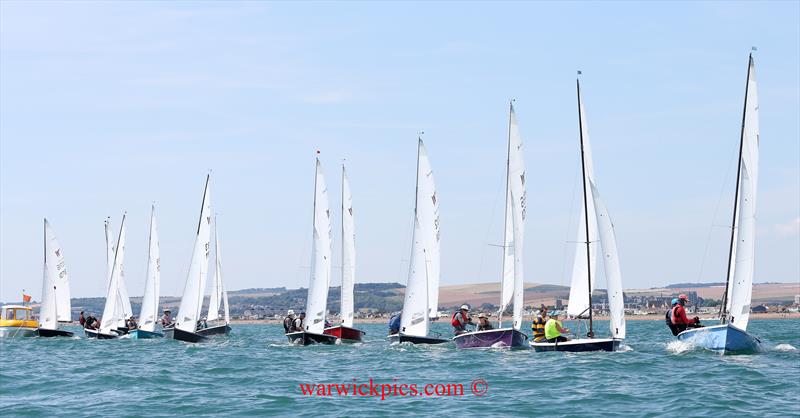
623 348
785 348
679 347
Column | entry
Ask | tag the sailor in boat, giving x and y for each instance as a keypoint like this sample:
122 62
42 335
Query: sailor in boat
553 330
131 323
483 322
298 322
460 320
201 323
288 321
668 318
82 320
394 324
538 325
92 322
166 319
679 318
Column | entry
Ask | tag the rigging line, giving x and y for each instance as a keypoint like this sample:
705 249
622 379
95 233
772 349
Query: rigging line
489 229
716 213
569 226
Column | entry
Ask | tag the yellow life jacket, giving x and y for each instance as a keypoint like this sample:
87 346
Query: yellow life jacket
538 328
550 328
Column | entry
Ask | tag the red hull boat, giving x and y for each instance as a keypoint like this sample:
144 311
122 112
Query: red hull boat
346 334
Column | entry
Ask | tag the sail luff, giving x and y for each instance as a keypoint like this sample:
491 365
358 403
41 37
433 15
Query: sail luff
507 272
192 298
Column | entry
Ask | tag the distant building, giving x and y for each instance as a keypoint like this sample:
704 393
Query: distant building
759 309
559 304
797 299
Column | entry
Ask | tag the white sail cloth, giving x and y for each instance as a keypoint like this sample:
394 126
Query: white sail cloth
741 276
319 281
219 296
428 215
514 233
148 316
56 305
111 312
348 253
192 299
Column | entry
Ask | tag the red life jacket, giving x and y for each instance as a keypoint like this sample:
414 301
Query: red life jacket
455 322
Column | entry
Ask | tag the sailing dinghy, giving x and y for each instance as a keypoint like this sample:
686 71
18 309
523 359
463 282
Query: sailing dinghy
345 330
731 336
218 298
112 312
56 305
422 288
185 328
123 308
512 278
316 304
148 316
595 223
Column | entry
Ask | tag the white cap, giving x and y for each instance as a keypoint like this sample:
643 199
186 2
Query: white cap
291 312
465 307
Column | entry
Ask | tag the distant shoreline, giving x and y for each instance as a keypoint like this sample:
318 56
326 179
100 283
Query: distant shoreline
655 317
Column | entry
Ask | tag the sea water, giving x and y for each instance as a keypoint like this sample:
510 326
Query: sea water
256 372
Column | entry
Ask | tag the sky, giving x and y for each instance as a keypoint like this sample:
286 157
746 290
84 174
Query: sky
106 107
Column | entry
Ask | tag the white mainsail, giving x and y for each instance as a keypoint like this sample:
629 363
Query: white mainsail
608 244
428 214
741 280
192 299
218 294
579 287
348 253
56 304
123 308
513 278
111 312
320 279
148 317
414 319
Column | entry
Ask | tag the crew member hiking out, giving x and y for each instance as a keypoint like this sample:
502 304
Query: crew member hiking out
288 322
668 317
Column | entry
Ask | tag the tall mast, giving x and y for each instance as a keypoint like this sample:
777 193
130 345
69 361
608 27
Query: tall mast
202 292
505 211
723 311
585 212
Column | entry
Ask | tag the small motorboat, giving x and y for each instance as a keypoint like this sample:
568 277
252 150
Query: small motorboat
16 322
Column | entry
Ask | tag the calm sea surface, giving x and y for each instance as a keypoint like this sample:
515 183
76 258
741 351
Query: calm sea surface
256 372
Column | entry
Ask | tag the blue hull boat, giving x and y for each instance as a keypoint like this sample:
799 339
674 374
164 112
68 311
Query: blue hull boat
140 334
724 338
